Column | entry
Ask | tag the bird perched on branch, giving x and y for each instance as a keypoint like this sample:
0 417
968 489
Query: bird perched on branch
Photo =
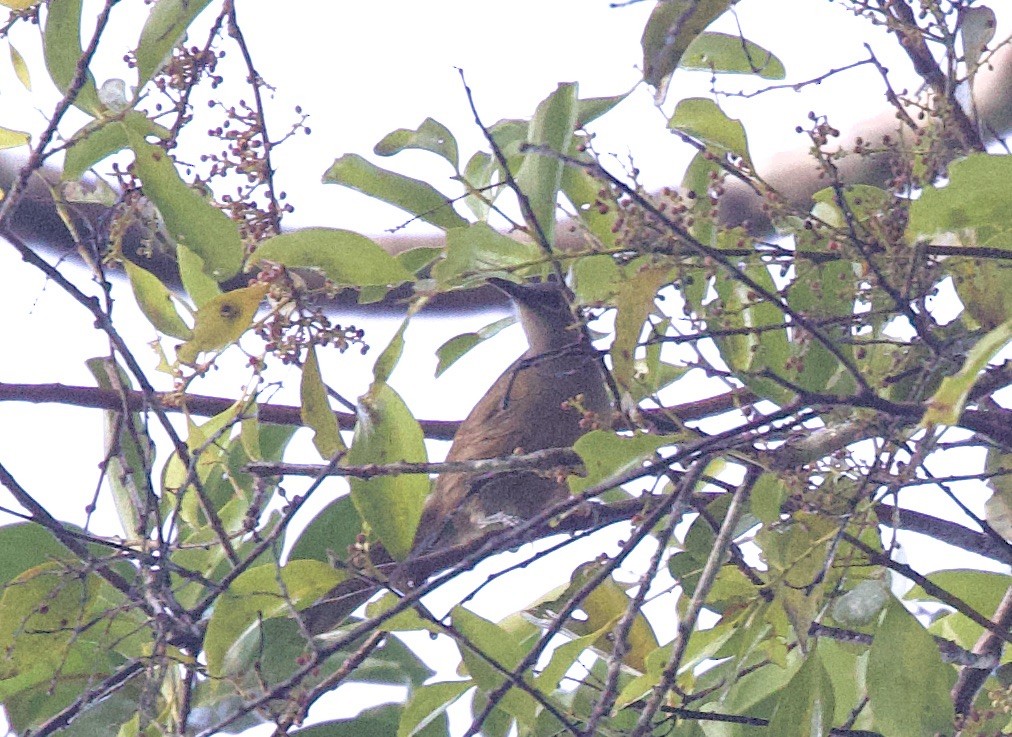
543 400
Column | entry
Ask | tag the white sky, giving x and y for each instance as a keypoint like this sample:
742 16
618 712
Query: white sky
361 70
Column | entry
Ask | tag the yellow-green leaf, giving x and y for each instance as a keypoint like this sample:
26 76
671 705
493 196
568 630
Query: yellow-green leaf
316 411
945 407
20 67
12 139
968 201
635 300
155 301
221 321
39 611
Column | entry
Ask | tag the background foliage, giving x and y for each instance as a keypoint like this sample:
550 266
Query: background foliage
762 519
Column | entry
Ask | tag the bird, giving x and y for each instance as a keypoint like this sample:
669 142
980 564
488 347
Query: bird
545 399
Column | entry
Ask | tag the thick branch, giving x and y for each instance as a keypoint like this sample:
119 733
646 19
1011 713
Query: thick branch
201 405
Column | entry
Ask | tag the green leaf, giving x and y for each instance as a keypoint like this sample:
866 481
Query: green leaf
823 292
43 616
200 288
591 108
908 683
969 201
981 590
984 287
222 321
429 703
271 649
416 260
703 119
62 47
606 454
458 346
502 647
946 406
494 641
102 138
764 345
767 498
861 604
315 410
582 189
602 609
605 605
27 545
699 178
863 201
563 658
189 217
130 453
998 511
477 177
722 52
331 531
387 361
344 257
256 595
32 707
406 620
155 301
596 278
634 300
415 196
212 440
165 27
540 175
387 432
805 706
378 721
478 251
672 26
976 27
431 135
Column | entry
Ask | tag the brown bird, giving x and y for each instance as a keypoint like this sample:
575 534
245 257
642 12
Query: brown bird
529 408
